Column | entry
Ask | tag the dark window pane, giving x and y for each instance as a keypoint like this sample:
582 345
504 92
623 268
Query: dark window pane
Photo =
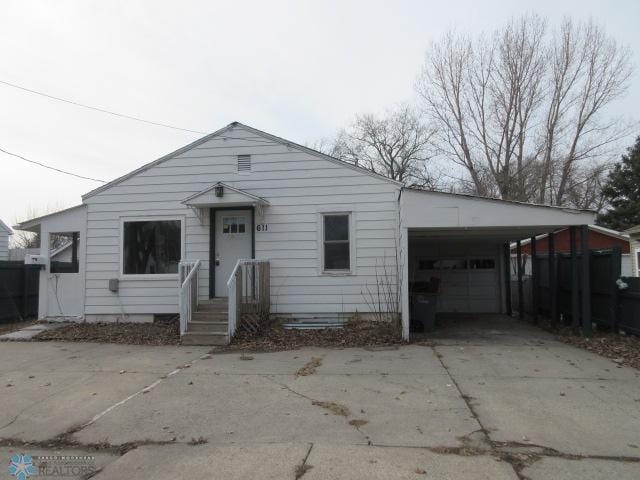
336 227
63 251
453 264
241 228
336 256
428 265
482 263
152 247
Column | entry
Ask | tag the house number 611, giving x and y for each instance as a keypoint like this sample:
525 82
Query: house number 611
262 227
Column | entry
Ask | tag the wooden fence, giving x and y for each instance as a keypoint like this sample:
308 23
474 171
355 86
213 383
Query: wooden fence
19 285
611 306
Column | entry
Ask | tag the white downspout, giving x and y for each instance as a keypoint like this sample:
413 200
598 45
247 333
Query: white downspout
404 266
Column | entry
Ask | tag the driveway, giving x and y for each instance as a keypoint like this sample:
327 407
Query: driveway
503 402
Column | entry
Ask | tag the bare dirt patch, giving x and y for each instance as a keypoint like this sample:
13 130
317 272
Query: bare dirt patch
358 422
161 332
333 407
310 367
353 334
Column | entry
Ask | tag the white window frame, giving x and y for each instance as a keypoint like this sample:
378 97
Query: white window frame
352 242
637 252
151 218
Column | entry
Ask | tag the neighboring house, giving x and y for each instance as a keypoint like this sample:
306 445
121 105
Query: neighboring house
634 235
5 231
330 232
600 238
61 254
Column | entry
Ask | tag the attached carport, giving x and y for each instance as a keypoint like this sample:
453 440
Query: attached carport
463 240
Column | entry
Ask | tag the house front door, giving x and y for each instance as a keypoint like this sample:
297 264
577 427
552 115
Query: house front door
233 240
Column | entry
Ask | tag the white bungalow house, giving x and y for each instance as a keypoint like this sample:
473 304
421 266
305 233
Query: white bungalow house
5 232
277 228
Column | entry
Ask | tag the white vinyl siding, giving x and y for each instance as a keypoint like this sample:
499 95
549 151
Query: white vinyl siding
298 186
4 244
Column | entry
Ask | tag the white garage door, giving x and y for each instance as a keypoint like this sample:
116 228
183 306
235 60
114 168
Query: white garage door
468 272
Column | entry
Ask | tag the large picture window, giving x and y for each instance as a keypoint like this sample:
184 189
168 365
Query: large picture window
336 251
151 247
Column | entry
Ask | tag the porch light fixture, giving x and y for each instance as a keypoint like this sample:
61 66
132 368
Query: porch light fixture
219 190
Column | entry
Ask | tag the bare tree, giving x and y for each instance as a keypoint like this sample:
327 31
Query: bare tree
24 239
522 111
396 145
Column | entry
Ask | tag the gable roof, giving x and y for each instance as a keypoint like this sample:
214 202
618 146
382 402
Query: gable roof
595 228
3 226
200 198
25 225
220 133
633 230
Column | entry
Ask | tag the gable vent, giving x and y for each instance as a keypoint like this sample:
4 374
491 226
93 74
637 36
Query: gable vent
244 163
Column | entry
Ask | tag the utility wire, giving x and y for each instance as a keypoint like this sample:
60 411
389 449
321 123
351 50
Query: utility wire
51 168
98 109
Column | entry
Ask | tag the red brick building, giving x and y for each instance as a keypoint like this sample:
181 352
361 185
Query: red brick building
600 238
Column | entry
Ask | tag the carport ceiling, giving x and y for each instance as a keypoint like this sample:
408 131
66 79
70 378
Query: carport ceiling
486 234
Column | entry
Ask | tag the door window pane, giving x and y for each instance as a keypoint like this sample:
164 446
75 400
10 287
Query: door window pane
234 225
151 247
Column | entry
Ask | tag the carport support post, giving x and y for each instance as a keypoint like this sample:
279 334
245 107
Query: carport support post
507 282
519 270
534 280
553 280
586 281
575 297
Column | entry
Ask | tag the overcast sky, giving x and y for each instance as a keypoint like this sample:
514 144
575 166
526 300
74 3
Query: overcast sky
297 69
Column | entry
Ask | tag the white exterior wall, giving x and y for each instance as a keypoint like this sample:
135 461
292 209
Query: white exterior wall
62 294
4 244
634 246
298 185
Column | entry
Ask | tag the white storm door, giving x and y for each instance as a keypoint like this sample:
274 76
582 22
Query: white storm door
233 241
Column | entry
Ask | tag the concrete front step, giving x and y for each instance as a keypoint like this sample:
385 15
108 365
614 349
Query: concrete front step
208 326
210 316
198 338
213 307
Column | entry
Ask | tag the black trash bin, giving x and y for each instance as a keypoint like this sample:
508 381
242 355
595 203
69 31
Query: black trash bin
424 309
424 302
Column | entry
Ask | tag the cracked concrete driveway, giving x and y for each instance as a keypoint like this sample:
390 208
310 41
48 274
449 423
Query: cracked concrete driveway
507 402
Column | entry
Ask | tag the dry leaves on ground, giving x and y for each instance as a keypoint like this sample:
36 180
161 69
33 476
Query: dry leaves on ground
623 349
353 334
164 332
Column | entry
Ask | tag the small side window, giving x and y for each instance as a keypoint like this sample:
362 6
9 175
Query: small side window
336 248
63 252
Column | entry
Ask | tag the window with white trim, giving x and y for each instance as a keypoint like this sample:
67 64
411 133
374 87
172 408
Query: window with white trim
151 247
336 249
638 263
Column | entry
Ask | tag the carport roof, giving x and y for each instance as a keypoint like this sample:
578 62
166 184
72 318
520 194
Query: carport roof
440 214
515 202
